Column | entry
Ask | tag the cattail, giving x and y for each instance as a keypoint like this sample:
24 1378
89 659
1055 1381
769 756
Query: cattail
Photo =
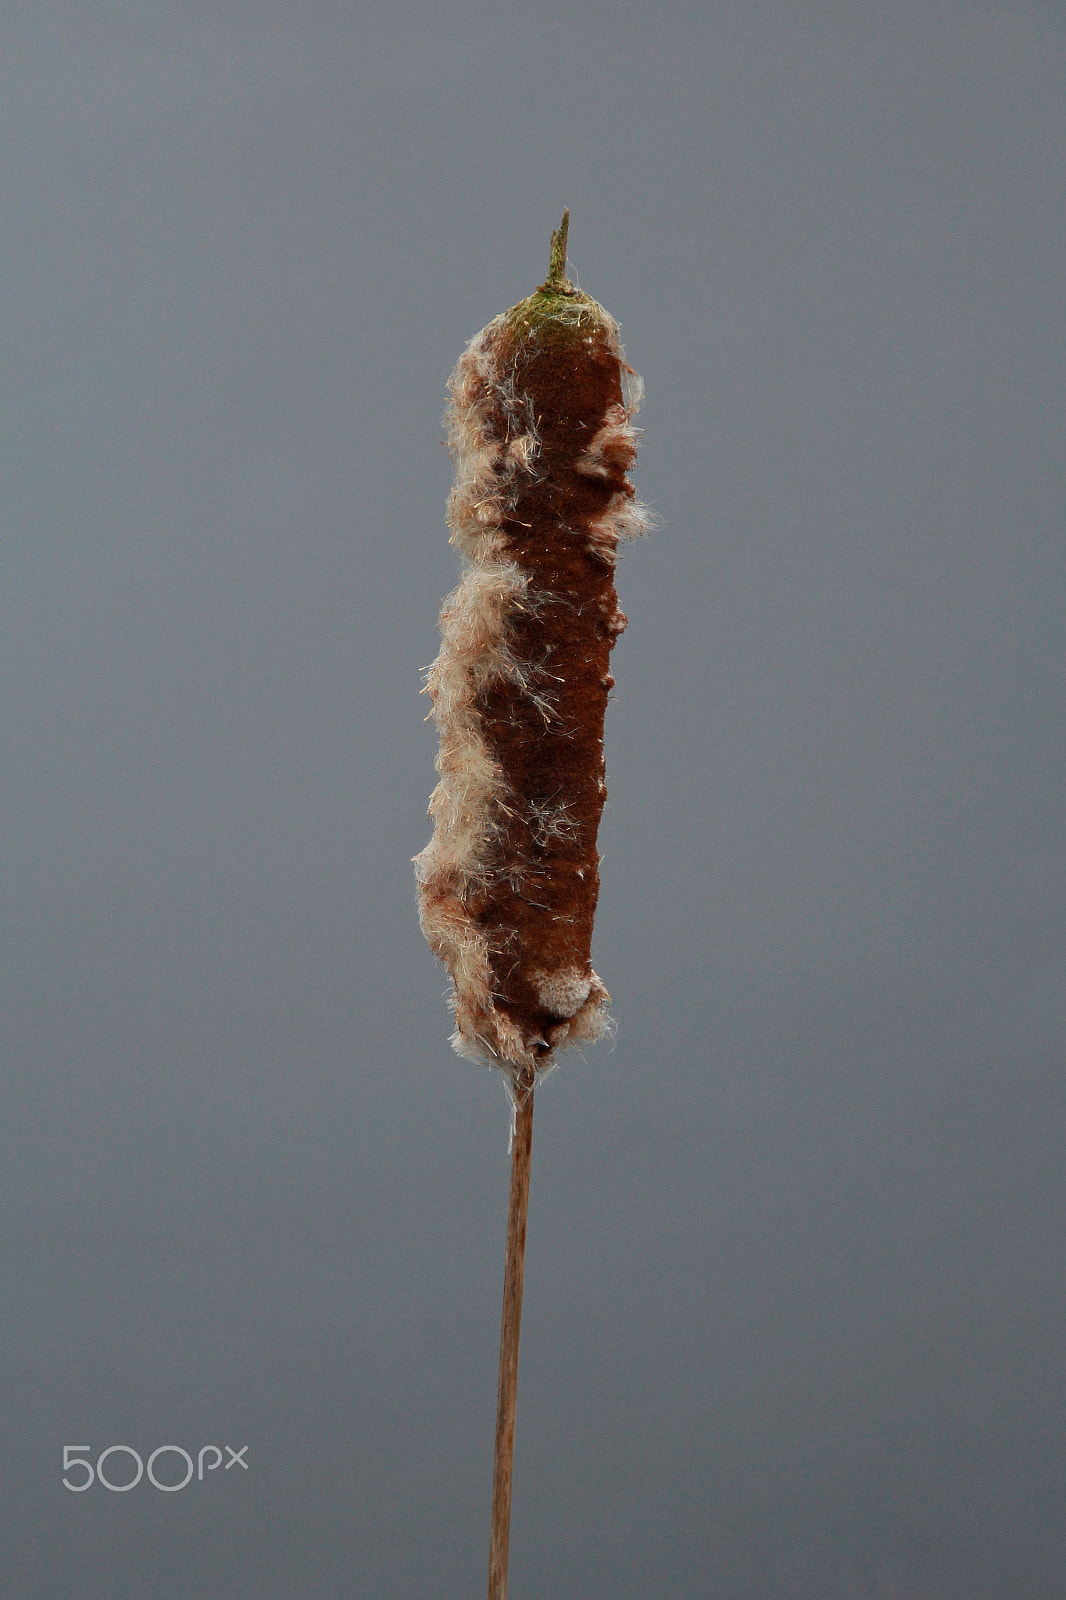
540 430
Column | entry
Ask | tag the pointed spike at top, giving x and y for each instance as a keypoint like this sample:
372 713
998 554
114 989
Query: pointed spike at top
558 308
557 278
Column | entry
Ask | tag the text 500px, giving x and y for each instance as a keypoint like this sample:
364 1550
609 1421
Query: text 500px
127 1470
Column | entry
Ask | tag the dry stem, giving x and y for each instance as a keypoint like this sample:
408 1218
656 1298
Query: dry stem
514 1271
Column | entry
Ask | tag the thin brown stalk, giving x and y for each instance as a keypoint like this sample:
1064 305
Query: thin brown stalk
514 1272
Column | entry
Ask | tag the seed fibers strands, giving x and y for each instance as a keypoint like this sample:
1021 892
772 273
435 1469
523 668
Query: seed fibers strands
540 429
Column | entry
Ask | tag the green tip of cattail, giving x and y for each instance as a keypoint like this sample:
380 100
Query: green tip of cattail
557 301
557 278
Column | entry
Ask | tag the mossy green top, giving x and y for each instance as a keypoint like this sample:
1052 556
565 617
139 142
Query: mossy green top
558 305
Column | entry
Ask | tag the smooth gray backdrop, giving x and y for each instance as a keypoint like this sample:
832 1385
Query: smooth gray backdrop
795 1302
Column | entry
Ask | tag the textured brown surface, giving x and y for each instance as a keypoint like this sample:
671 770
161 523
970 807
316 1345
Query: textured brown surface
551 748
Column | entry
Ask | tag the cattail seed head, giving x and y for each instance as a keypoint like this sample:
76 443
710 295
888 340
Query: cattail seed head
540 430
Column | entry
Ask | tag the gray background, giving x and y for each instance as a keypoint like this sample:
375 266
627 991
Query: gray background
795 1301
